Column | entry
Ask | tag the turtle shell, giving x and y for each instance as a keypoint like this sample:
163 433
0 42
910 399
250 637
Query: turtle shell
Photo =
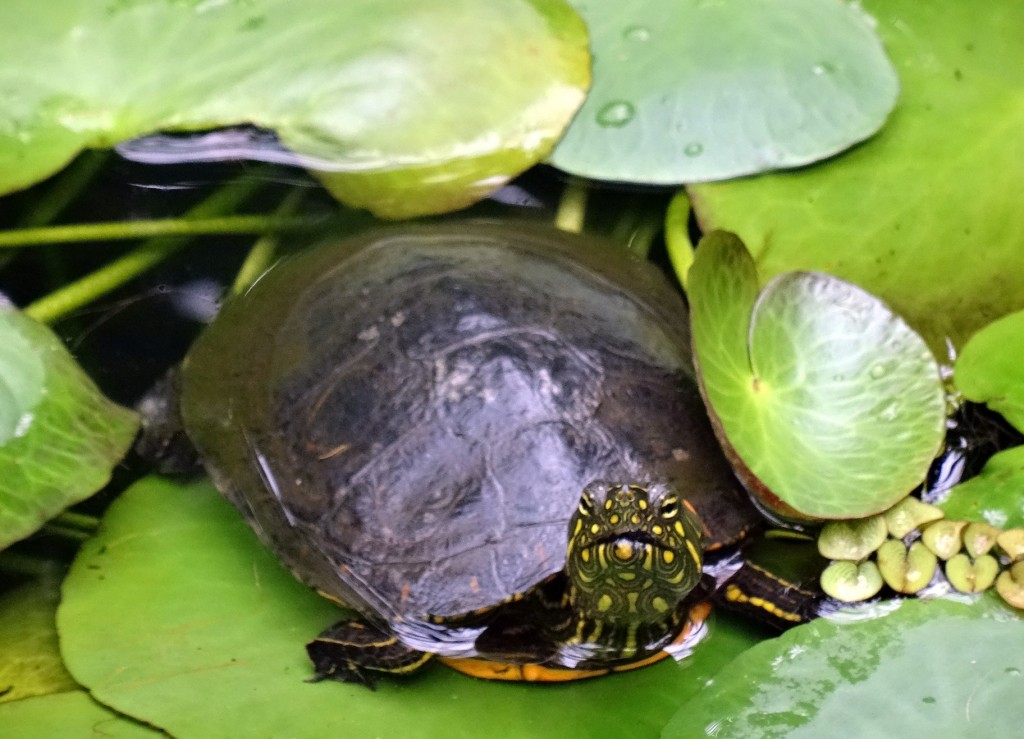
407 418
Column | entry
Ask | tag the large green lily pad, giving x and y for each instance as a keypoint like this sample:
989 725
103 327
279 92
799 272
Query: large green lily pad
826 396
28 641
175 615
990 369
411 107
931 668
927 214
70 715
59 436
692 91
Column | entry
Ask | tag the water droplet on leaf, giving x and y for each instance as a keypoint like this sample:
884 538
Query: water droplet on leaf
616 114
636 33
694 149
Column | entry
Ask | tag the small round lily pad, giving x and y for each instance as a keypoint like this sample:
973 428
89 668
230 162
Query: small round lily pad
944 538
853 540
979 538
910 514
972 575
851 582
1012 543
1010 585
830 399
906 570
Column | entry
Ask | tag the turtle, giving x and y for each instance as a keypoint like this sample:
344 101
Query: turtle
487 439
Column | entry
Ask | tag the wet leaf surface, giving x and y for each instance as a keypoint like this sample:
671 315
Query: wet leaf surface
31 663
692 91
830 399
410 107
59 436
908 214
994 496
930 668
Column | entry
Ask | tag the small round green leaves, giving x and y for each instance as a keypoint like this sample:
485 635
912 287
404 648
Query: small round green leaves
906 569
852 539
909 514
851 582
830 399
1010 585
695 91
59 436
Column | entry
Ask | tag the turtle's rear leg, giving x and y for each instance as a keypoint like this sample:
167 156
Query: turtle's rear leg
355 652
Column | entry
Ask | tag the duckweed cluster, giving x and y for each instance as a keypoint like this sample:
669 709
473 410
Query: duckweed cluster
912 545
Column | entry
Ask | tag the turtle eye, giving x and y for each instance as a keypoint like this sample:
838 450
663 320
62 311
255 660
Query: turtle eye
586 506
669 507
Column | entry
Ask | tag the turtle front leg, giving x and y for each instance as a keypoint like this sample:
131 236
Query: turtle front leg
353 652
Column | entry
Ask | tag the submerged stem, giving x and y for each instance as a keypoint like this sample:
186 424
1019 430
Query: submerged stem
150 253
261 255
572 208
161 227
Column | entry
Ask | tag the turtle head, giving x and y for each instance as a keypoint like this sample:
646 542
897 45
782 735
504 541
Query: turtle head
634 552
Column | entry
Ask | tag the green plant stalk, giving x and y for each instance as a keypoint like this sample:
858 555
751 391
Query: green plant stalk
80 521
677 237
261 255
70 533
121 230
74 295
572 208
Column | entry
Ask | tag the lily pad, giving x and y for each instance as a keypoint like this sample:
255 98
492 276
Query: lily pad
59 436
70 715
995 495
174 614
410 107
28 641
908 214
692 91
830 400
935 668
989 369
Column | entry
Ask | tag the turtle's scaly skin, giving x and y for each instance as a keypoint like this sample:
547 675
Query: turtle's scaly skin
408 418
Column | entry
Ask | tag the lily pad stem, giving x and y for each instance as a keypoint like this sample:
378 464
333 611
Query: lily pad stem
677 235
123 230
81 521
572 208
261 255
